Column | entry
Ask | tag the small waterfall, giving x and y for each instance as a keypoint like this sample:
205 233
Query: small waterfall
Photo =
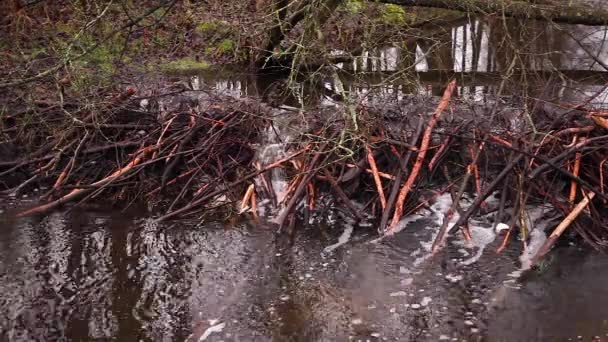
272 148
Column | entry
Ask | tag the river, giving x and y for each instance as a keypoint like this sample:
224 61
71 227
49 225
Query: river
87 275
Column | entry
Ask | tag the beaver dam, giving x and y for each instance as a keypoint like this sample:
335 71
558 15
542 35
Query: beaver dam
443 185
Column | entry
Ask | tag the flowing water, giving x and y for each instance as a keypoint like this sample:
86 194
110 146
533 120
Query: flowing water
97 275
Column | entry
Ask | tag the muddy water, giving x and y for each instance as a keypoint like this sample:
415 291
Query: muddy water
94 275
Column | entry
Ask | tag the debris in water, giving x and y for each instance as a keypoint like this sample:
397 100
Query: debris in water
346 234
407 281
212 329
404 270
454 278
426 301
357 321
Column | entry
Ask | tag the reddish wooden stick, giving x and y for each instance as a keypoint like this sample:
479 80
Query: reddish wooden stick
424 145
42 209
374 167
573 185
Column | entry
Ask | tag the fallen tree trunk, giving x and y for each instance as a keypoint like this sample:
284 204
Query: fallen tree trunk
559 11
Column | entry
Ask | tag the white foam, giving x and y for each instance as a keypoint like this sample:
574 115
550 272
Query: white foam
481 237
212 329
501 226
344 238
537 238
454 278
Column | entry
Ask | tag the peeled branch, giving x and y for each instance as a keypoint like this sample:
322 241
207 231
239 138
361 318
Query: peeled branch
76 193
557 232
424 145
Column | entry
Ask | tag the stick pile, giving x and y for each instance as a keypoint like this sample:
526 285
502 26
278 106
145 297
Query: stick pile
190 157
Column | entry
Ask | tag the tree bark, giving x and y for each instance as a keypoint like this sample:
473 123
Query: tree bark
557 11
320 12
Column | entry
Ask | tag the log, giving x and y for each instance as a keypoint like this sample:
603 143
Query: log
557 232
556 11
424 145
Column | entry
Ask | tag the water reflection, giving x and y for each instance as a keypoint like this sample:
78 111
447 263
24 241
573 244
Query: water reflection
98 276
558 62
84 276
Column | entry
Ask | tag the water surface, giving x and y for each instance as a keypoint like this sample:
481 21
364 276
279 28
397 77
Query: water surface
92 275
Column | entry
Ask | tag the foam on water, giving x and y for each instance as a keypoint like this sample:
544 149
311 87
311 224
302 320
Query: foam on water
346 234
482 231
480 238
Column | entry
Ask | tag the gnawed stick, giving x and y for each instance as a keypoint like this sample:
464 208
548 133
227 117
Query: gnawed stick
65 173
254 204
424 145
499 216
42 209
475 167
355 171
212 194
557 232
301 186
400 171
311 196
172 181
374 167
439 153
246 198
370 171
575 171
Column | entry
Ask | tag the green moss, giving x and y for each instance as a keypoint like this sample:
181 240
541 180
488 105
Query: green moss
102 58
393 15
354 6
160 12
207 27
185 64
226 46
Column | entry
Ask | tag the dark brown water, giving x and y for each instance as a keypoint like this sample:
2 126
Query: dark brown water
92 275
